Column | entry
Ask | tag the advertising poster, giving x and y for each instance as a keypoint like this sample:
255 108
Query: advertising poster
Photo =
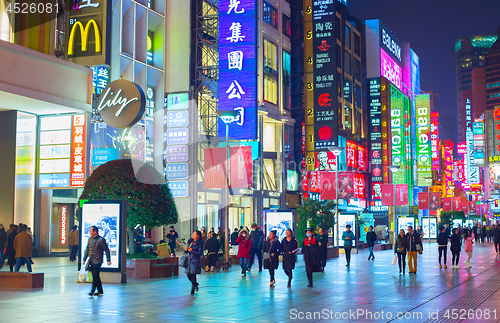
107 218
446 204
344 220
376 191
423 122
457 223
429 225
457 203
328 187
352 154
401 194
241 167
404 223
423 201
215 168
387 194
434 203
365 220
361 158
346 185
279 221
359 185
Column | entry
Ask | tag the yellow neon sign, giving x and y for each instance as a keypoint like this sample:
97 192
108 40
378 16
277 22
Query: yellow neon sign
84 33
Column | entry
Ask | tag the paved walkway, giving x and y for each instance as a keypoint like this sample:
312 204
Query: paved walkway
370 291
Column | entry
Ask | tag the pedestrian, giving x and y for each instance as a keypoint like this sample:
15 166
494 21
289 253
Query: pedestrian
172 237
204 234
400 249
371 237
310 249
194 250
483 233
322 239
496 238
348 238
96 247
234 244
290 247
222 239
23 245
74 238
272 250
474 232
420 232
163 250
6 254
10 247
3 241
414 248
212 247
256 238
488 233
468 247
447 230
442 241
244 246
455 247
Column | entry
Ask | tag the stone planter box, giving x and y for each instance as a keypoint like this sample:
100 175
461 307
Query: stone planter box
21 280
152 268
380 247
333 252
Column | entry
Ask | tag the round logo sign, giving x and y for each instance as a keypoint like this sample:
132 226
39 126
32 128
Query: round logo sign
122 104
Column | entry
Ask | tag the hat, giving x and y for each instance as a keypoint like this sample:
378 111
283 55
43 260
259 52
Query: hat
309 230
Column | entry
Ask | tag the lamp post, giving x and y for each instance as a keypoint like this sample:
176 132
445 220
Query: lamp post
429 180
393 170
337 151
227 117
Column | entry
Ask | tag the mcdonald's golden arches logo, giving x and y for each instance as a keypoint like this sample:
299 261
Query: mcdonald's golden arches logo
84 33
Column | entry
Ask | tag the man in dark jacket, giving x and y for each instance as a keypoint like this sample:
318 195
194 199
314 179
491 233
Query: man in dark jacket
3 241
475 231
371 237
414 244
234 237
6 254
322 239
496 238
256 238
96 246
442 241
172 237
212 247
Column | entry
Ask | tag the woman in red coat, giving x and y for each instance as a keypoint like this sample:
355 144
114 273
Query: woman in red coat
244 245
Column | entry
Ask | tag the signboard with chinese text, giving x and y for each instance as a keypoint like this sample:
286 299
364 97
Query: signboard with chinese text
178 188
375 129
100 78
352 154
78 151
435 140
391 70
423 135
479 142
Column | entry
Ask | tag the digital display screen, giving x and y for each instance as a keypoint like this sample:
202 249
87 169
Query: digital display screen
390 69
279 221
423 122
404 223
430 225
344 220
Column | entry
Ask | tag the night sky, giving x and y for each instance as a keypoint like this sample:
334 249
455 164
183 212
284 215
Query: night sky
432 27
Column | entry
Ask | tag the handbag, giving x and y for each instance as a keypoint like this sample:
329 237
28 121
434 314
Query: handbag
266 255
419 248
394 260
184 261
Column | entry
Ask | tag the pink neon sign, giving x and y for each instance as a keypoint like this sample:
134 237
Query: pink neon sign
390 70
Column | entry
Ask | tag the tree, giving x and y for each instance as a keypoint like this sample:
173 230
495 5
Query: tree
445 218
149 201
313 213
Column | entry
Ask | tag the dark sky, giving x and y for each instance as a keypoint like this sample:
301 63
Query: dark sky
432 27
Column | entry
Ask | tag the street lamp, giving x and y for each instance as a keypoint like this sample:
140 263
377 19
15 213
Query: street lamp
227 117
337 151
393 170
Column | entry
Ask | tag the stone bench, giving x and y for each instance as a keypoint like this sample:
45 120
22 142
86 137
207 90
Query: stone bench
163 270
152 268
380 247
21 280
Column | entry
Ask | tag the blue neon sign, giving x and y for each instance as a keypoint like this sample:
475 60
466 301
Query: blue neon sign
238 66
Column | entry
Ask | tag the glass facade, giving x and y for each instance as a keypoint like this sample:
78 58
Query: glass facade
270 15
270 72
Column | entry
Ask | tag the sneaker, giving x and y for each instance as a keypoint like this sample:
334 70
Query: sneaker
248 269
445 266
271 284
440 266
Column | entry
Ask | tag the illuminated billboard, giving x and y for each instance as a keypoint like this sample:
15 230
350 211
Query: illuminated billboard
435 140
375 129
398 101
423 136
448 168
391 70
415 72
478 136
238 67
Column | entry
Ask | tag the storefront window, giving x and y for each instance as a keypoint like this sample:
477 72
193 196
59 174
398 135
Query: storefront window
287 81
287 27
270 72
270 15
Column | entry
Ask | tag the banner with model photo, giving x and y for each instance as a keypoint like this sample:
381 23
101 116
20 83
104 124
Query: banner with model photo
279 221
107 217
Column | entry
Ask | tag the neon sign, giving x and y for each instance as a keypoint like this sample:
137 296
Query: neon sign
64 219
390 69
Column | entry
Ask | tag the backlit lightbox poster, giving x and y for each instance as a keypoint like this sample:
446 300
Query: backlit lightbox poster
404 223
279 221
344 220
429 224
107 216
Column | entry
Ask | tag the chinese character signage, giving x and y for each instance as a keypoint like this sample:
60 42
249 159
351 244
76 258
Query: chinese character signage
423 135
478 136
472 169
375 129
100 78
238 66
448 167
78 164
88 32
178 188
177 171
399 117
435 140
352 154
361 158
496 131
390 69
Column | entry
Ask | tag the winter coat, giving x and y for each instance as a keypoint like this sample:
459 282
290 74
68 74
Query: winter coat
311 255
257 238
23 244
371 237
442 239
96 247
456 243
234 237
74 237
3 237
244 246
496 234
468 243
163 250
212 245
323 239
401 244
10 249
194 261
413 240
274 249
290 249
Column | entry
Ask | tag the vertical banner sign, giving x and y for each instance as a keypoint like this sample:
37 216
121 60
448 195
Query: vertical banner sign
78 165
472 169
238 67
375 130
478 132
241 167
328 186
496 131
448 167
352 154
446 204
64 219
387 194
423 201
88 24
359 185
215 168
435 140
457 203
361 158
325 90
434 203
401 194
423 139
398 102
